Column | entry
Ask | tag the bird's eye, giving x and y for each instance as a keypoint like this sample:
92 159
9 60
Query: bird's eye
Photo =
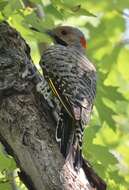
63 32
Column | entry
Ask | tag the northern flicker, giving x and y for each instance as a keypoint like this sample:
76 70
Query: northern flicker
72 78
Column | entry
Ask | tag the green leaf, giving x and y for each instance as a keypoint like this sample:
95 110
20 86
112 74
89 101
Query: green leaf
81 11
114 175
6 161
73 3
40 24
103 155
100 169
53 11
5 186
105 112
36 1
89 135
123 66
1 17
72 7
12 6
3 3
114 95
111 93
109 59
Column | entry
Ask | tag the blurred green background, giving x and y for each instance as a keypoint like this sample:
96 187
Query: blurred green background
106 27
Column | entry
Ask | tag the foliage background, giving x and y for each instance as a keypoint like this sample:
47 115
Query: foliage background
105 24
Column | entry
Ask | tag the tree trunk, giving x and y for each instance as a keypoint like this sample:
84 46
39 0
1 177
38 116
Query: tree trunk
27 126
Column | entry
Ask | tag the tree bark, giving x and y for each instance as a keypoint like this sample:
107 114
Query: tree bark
27 126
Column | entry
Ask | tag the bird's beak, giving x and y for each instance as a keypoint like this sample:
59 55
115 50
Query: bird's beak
48 32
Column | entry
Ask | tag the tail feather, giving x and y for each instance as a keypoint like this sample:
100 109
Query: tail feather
64 131
78 145
69 135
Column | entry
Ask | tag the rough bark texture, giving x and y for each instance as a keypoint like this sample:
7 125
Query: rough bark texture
27 127
26 134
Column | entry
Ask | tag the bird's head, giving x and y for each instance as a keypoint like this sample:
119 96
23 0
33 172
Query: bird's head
68 36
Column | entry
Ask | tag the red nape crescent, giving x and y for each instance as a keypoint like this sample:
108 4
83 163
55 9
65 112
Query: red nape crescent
83 42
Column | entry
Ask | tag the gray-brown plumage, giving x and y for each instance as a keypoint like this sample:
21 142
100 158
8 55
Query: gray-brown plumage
72 78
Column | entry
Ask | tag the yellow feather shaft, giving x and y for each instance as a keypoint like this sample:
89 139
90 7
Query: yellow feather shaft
56 93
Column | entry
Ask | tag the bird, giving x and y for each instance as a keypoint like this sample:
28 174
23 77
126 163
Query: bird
72 79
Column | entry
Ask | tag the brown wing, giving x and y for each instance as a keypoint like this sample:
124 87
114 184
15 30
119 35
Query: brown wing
72 75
